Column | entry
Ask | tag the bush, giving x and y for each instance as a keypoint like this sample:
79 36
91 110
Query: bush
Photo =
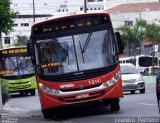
5 93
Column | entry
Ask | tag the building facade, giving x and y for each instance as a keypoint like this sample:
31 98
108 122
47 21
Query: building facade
33 11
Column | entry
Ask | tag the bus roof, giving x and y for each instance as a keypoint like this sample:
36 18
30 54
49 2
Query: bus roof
68 16
77 21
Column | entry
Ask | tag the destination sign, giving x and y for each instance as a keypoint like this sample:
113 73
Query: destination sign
54 64
13 51
6 72
74 22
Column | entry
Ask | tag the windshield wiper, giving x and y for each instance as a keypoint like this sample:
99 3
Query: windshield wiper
85 45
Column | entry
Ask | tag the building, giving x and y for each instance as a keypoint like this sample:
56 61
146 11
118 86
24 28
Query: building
46 9
128 14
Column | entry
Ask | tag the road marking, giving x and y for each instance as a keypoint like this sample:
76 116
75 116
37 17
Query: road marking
148 104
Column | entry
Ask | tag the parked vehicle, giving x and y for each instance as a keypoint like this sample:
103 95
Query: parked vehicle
141 62
131 78
152 71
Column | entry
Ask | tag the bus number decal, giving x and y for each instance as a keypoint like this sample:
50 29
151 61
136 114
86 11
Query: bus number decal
94 81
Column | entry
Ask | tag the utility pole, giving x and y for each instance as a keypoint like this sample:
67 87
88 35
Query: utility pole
33 12
1 105
85 6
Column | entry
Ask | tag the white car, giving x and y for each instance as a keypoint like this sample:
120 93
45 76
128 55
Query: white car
132 79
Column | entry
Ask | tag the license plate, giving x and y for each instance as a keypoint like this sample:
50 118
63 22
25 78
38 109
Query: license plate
82 96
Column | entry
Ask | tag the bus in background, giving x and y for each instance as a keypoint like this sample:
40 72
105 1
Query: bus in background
141 62
17 70
80 61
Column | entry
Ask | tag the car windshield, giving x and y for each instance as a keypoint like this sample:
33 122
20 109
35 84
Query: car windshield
76 52
126 69
19 65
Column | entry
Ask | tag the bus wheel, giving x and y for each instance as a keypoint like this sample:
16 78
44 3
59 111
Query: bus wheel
47 114
132 92
21 93
32 92
114 105
142 91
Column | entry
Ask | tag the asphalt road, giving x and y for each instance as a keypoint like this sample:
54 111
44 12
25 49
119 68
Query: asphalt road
134 108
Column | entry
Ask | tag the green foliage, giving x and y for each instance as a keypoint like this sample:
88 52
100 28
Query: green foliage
6 16
5 93
153 33
134 35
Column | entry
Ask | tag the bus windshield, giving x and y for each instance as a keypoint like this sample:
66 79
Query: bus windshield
17 65
76 53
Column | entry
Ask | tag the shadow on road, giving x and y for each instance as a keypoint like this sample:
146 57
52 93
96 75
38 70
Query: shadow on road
83 110
17 95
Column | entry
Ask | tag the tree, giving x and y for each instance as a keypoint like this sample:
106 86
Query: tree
152 33
133 35
6 17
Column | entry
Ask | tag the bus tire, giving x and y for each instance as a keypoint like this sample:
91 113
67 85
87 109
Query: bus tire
47 114
21 93
142 91
33 92
133 91
114 105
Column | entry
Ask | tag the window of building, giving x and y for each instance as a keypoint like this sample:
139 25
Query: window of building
15 25
24 24
128 23
31 16
15 4
91 0
7 40
81 9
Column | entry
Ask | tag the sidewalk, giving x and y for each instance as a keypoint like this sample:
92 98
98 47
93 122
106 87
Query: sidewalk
149 79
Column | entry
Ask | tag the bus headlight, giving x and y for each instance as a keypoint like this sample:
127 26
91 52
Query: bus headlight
113 80
48 90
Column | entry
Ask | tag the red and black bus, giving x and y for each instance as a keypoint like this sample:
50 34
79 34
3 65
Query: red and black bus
76 61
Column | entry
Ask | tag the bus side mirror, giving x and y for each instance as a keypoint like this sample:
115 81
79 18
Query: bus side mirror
120 43
30 51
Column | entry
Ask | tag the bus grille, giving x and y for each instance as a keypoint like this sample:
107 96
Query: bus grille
19 83
75 99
